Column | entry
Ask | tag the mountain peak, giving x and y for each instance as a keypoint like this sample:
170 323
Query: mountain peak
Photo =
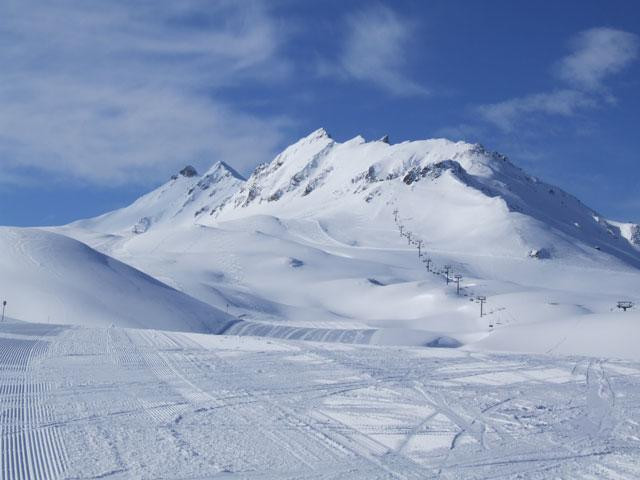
318 134
223 167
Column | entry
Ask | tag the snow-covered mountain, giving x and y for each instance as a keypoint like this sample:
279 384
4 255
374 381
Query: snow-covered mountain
452 194
184 198
312 240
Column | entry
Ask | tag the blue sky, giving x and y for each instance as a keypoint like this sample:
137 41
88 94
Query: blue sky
102 101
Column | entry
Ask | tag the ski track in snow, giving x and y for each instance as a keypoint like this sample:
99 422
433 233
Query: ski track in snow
117 403
30 445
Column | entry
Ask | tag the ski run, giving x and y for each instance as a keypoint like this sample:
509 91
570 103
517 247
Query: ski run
83 402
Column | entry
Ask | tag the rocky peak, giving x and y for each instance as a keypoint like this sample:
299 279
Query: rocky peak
188 171
318 134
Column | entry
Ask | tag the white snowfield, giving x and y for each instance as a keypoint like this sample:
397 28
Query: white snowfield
341 350
82 402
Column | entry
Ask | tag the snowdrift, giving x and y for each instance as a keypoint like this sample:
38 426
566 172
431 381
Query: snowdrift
50 278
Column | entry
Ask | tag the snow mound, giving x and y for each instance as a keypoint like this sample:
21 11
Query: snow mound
611 335
48 277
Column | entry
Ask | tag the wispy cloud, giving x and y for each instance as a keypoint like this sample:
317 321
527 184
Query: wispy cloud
113 92
560 102
596 54
375 50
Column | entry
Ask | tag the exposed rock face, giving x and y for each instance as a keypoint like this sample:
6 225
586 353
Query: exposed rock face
188 171
635 235
142 226
297 167
434 171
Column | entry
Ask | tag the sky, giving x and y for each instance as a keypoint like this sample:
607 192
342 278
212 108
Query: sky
102 101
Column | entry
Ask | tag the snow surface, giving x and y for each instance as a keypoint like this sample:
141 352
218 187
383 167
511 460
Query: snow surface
82 402
50 278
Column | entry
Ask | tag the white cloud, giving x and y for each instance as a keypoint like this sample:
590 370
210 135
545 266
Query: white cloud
122 92
376 48
506 114
462 131
598 53
108 134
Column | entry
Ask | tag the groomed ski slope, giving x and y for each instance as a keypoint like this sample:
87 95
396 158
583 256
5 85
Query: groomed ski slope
82 402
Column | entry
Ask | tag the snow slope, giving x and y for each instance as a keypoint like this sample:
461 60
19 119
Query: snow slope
48 277
630 231
184 198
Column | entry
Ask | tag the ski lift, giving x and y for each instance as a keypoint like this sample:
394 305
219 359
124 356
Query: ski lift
625 305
